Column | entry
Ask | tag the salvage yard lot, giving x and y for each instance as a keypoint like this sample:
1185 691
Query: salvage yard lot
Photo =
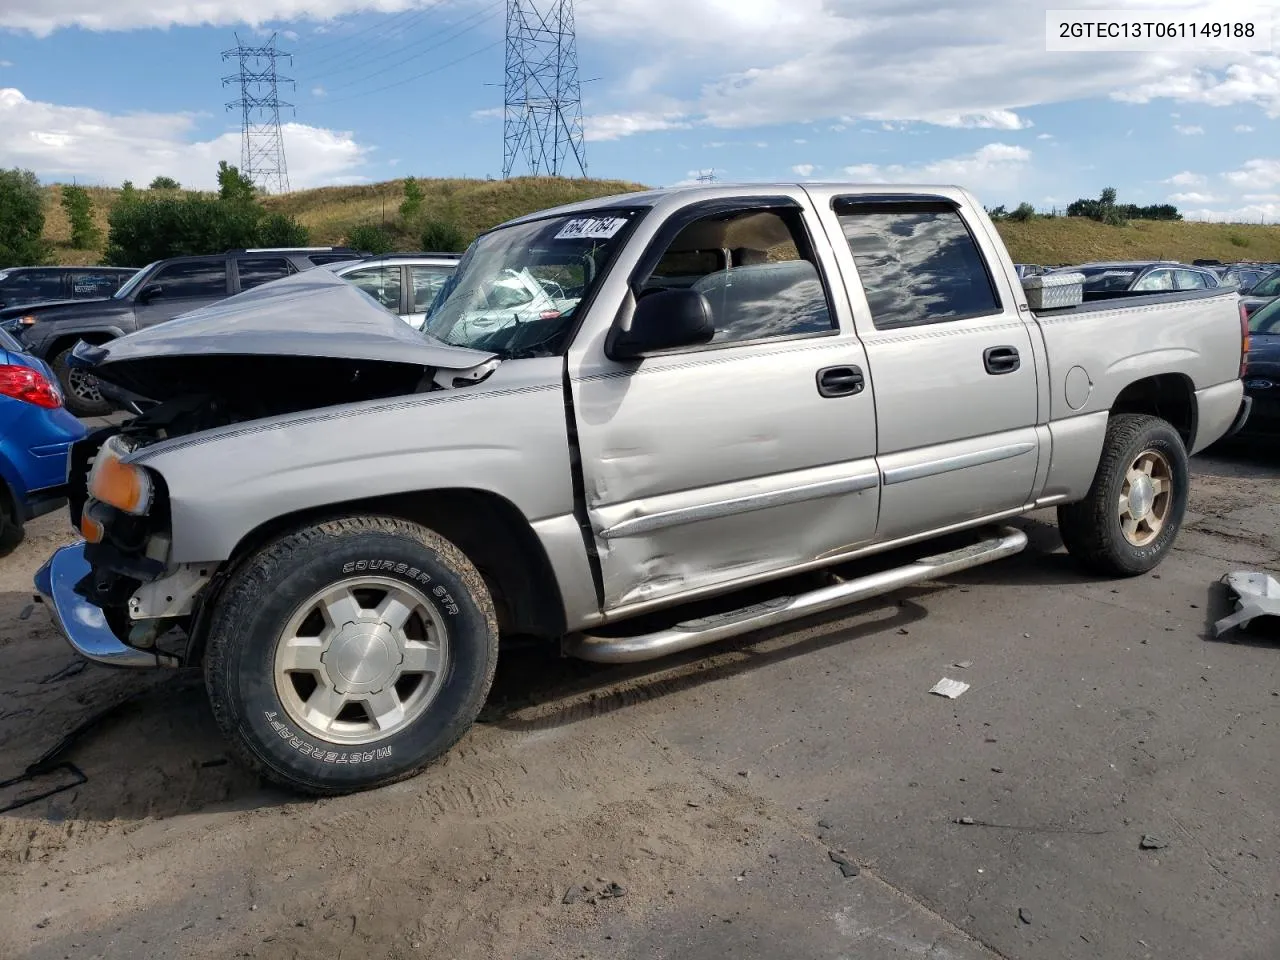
713 788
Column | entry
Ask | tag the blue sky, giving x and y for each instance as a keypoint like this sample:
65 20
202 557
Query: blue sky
955 91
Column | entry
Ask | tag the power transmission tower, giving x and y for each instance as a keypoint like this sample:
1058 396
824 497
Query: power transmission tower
261 142
542 112
708 177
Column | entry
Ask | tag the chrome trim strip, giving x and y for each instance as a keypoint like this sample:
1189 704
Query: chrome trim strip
727 508
933 468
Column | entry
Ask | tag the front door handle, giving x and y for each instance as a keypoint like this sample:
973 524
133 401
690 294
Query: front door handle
1000 360
840 381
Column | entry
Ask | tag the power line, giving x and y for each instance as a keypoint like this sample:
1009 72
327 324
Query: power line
417 76
351 58
542 108
261 141
376 25
419 50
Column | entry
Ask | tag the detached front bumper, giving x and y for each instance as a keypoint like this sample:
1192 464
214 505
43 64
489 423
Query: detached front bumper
83 625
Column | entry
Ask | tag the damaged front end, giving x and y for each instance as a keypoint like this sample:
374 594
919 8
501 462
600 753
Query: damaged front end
309 342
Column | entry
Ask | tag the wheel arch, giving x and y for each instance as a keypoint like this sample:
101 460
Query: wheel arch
491 530
1169 396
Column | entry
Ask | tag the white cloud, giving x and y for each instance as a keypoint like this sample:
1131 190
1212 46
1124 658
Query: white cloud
1185 198
803 169
1255 175
6 63
319 91
995 166
61 142
1255 81
489 113
1243 128
42 17
1246 213
1185 179
1188 131
613 126
986 120
1261 197
1044 136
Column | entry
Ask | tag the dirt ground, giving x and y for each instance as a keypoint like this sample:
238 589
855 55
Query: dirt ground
714 788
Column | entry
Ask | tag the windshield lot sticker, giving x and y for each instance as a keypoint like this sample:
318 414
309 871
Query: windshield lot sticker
594 228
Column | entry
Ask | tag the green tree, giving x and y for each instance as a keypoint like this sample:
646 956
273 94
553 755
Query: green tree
1108 197
413 198
128 191
79 208
1023 213
443 236
233 185
280 230
22 240
165 183
370 238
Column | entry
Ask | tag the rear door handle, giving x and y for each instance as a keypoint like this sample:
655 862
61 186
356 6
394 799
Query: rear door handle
840 381
1000 360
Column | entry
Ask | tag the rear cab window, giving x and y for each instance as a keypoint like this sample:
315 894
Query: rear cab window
190 280
918 262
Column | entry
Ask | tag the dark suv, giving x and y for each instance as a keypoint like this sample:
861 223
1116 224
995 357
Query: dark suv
156 293
23 285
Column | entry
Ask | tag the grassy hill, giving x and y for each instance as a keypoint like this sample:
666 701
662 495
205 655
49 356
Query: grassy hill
474 205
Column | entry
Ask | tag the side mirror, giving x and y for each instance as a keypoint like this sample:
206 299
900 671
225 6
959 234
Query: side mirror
663 321
150 292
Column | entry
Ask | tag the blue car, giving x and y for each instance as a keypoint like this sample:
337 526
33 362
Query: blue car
36 434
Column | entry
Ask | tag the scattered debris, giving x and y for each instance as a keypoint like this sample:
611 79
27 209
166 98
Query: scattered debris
949 688
573 894
1257 595
1024 915
847 867
903 631
966 821
1148 842
963 664
216 762
690 803
971 822
26 611
742 773
612 892
997 770
824 825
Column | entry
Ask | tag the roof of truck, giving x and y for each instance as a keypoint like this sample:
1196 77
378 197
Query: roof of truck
703 191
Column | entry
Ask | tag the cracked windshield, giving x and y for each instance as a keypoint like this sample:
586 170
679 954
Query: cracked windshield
517 290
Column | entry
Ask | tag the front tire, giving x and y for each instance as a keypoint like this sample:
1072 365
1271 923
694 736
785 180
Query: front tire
350 654
80 393
1131 516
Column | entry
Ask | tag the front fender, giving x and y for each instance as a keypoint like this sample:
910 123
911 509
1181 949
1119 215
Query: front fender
507 436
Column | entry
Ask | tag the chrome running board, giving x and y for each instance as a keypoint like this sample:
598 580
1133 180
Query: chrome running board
1005 542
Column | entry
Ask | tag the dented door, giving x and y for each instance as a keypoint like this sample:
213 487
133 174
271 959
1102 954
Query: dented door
710 467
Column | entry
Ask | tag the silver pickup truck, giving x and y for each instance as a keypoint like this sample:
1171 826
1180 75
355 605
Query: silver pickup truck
731 394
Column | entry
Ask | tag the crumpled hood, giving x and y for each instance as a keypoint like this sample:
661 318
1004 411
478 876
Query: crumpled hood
311 314
307 330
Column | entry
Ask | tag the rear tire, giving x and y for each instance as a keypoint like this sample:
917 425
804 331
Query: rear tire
1131 516
350 654
12 530
80 392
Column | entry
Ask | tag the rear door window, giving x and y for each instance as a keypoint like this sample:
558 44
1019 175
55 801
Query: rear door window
383 283
918 263
259 270
87 284
193 279
1155 282
427 281
1191 280
32 286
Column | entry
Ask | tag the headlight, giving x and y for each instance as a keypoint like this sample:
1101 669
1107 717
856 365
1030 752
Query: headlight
120 484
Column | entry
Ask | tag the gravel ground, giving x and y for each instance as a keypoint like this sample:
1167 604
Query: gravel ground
714 789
